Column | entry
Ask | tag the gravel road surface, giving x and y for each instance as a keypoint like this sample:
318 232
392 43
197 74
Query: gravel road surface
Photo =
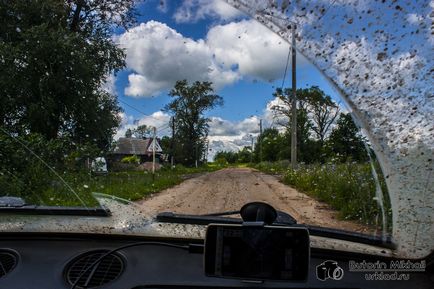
229 189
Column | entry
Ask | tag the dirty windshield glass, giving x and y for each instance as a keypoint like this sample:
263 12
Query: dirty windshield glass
322 109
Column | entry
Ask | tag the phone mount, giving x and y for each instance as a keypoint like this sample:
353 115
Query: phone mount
258 214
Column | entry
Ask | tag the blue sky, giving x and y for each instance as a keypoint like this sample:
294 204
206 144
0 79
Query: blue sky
205 40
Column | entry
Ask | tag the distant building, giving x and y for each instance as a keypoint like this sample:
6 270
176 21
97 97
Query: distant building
142 148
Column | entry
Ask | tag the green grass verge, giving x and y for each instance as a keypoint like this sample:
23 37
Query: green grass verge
348 188
131 185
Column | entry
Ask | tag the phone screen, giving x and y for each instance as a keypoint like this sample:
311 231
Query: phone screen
277 253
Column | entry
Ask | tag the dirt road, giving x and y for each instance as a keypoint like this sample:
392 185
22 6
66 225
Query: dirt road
229 189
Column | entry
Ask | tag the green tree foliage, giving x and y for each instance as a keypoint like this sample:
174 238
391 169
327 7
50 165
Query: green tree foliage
316 112
131 160
142 131
345 141
343 144
129 133
226 157
269 145
166 144
55 116
322 111
245 155
54 58
188 106
28 164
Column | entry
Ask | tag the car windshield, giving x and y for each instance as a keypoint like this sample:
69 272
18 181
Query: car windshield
322 109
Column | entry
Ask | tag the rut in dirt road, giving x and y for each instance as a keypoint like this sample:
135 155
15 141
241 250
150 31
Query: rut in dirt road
229 189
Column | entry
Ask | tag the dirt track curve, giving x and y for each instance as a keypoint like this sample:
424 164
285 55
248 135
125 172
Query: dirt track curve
228 189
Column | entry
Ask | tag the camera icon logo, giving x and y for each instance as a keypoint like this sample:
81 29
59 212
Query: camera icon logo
329 270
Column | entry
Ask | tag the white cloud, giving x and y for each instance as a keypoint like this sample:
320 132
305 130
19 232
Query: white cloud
195 10
250 46
159 56
414 18
222 127
225 135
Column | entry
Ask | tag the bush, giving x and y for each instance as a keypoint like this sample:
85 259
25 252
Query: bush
131 160
31 166
123 167
279 167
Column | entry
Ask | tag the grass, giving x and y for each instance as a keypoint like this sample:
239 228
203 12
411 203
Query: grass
348 188
129 185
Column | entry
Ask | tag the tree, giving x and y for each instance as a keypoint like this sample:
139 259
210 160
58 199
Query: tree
272 143
245 155
55 55
345 141
226 156
322 111
189 104
282 109
166 144
316 112
129 133
142 131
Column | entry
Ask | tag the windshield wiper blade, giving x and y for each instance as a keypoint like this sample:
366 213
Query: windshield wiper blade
16 205
227 213
170 217
206 219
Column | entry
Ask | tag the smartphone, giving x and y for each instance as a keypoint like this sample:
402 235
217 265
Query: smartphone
257 252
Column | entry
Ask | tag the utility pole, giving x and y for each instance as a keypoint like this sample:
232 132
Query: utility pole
153 152
206 152
293 102
251 150
196 155
260 143
172 157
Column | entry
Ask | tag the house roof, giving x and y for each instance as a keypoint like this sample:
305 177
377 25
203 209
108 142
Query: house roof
134 146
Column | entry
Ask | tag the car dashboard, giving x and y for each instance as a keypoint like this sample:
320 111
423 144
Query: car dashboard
30 260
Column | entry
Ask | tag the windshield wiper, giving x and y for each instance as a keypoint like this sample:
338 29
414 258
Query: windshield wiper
206 219
16 205
221 217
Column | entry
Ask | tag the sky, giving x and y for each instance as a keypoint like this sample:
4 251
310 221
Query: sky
205 40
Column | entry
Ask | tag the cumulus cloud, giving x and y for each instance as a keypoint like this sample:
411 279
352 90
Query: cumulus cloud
225 135
250 47
222 127
195 10
158 56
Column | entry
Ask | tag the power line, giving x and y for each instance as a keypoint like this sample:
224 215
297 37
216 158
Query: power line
130 106
139 111
286 67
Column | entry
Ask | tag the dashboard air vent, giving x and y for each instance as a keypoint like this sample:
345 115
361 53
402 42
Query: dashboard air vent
109 269
8 261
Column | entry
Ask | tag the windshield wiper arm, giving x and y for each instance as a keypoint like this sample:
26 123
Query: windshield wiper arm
170 217
205 219
227 213
16 205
